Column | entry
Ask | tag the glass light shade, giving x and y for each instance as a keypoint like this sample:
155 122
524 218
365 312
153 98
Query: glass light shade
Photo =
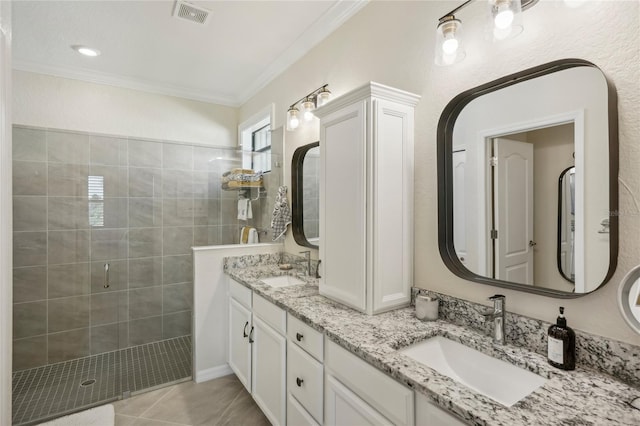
449 46
307 110
293 120
505 18
323 97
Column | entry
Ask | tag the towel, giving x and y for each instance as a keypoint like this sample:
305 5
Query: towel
244 209
281 214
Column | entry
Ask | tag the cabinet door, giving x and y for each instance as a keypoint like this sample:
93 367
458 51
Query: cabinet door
269 371
239 346
343 407
343 195
391 205
297 415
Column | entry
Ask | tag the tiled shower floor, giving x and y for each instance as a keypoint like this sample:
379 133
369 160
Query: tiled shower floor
45 392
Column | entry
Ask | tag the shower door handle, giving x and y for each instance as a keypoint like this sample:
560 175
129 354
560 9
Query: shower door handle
106 275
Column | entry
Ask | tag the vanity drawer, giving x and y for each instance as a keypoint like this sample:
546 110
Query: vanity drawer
390 398
306 337
241 293
305 380
297 415
270 313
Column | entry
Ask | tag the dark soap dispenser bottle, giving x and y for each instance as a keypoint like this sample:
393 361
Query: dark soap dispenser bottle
562 344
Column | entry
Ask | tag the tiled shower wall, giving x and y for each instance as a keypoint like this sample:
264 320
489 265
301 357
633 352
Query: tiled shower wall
83 200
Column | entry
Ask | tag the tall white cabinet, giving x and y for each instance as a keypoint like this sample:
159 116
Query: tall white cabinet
366 198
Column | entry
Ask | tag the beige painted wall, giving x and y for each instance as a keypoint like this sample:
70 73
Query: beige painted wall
60 103
552 154
392 43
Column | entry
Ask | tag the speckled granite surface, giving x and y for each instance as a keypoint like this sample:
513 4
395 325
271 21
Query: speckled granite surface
619 359
580 397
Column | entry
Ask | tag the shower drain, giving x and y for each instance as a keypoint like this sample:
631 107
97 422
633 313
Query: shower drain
88 382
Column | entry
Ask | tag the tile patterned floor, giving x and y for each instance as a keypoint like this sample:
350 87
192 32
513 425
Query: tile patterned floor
49 391
218 402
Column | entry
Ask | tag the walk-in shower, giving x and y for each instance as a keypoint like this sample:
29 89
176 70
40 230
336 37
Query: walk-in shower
103 230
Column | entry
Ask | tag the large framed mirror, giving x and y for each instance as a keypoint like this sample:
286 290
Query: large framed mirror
501 149
305 195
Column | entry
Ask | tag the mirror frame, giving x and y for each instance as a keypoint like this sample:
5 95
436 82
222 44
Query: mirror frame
445 174
297 196
560 221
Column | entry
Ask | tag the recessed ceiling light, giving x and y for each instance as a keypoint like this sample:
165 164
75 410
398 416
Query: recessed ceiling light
86 51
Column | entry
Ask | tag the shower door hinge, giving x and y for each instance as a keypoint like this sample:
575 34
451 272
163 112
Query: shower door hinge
493 161
494 234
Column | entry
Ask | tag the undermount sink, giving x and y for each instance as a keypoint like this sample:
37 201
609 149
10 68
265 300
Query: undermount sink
493 378
282 281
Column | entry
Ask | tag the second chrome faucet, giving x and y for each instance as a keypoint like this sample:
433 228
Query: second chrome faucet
497 315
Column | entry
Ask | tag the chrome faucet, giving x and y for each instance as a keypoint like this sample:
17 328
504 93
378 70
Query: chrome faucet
497 316
307 256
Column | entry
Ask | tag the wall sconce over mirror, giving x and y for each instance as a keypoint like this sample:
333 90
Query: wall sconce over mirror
305 195
501 149
308 104
504 21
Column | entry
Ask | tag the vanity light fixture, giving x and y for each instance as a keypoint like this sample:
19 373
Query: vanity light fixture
505 22
308 104
86 51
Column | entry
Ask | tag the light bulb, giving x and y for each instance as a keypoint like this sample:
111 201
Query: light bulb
307 108
86 51
504 17
450 45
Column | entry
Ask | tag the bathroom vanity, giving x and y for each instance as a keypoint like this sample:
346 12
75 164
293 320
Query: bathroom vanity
365 378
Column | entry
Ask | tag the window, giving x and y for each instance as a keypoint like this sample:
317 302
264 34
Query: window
96 201
255 139
261 148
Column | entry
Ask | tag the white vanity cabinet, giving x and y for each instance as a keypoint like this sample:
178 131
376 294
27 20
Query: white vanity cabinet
257 349
357 393
305 374
429 414
240 330
366 198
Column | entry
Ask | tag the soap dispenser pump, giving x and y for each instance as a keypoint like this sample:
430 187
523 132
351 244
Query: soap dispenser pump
562 344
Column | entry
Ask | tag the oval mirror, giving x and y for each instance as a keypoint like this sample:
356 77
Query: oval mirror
501 148
305 193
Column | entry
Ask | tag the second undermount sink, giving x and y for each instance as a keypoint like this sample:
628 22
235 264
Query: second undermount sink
496 379
282 281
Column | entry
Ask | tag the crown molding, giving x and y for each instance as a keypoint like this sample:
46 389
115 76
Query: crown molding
125 82
370 89
333 18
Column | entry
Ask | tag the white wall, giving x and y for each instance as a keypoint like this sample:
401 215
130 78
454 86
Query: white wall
60 103
210 307
392 43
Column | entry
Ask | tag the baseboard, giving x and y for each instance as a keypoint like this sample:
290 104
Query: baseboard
212 373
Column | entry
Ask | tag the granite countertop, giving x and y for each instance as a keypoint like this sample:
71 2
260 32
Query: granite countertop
580 397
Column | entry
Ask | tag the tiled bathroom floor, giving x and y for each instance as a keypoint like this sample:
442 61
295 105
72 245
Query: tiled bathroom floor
222 401
43 392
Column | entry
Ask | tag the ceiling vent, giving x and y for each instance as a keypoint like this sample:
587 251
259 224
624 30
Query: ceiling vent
189 12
